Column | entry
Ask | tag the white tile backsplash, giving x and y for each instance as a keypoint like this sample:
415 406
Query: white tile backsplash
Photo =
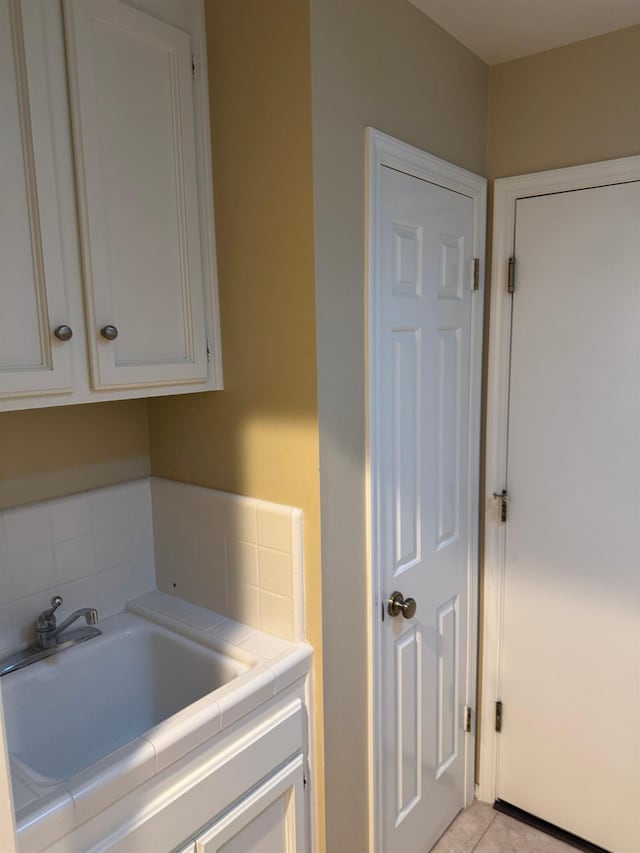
276 614
242 519
237 555
232 554
70 517
28 529
30 570
274 527
74 558
95 549
244 602
243 561
9 634
275 571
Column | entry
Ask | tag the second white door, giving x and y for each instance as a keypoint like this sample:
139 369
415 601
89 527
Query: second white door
569 750
425 389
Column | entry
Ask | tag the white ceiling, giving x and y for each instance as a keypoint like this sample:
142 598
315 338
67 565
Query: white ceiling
499 30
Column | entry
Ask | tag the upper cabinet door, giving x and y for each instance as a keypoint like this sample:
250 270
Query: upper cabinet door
33 302
133 125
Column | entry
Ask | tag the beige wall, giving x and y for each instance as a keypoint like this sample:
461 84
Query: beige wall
572 105
45 453
260 436
380 63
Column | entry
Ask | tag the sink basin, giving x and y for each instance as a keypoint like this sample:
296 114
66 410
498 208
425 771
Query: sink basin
69 711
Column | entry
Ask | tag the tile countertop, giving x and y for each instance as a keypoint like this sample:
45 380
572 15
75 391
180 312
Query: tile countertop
46 814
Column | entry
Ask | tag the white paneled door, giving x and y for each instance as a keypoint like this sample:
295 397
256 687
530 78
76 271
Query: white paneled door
423 396
569 750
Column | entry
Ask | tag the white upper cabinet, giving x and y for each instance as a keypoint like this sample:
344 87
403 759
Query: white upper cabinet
33 301
113 176
133 119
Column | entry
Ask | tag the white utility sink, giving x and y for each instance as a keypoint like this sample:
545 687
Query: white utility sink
69 711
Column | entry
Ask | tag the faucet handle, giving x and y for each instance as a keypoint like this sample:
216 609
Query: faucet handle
46 619
56 601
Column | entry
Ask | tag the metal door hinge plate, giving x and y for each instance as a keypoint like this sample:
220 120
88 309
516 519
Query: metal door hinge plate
467 718
498 716
503 497
193 66
475 279
208 350
511 278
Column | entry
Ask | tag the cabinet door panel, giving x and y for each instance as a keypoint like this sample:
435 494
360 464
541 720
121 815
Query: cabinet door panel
132 110
32 283
270 820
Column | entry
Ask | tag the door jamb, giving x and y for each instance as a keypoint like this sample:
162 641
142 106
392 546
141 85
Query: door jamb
506 193
384 150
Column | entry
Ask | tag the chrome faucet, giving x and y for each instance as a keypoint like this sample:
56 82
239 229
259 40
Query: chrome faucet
48 631
52 638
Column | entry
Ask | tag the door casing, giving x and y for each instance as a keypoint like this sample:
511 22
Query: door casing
384 150
506 193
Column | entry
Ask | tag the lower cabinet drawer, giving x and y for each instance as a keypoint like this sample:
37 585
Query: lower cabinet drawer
270 819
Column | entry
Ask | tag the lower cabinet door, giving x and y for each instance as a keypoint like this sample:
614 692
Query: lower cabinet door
272 819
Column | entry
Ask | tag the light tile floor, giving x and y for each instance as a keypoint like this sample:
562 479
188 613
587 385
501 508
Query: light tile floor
480 829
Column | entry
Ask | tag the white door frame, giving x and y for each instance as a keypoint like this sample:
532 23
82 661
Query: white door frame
506 193
384 150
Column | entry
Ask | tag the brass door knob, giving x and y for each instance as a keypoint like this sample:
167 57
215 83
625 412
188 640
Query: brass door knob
63 333
109 333
398 604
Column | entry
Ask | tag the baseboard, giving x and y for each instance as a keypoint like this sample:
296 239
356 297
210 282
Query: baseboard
546 827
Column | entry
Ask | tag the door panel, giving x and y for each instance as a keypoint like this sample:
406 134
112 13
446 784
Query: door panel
32 295
449 448
132 109
569 750
448 685
408 715
406 448
425 238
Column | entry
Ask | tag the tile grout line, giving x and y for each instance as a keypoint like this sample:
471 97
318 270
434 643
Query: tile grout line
491 822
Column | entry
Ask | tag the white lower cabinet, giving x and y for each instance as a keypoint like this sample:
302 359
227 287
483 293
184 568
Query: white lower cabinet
242 791
269 820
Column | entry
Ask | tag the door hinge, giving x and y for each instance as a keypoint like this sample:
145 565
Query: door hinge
511 277
208 350
467 718
193 66
503 497
475 285
304 780
498 716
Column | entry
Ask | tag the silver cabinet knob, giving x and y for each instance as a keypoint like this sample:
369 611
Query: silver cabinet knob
398 604
109 333
63 333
